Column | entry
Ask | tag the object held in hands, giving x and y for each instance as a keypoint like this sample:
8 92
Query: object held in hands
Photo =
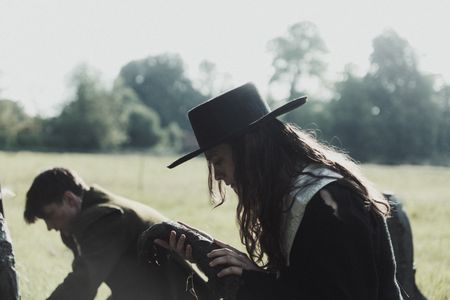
201 243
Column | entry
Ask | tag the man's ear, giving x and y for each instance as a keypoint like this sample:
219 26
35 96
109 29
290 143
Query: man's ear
71 198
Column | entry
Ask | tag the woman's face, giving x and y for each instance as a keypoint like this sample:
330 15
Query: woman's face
221 159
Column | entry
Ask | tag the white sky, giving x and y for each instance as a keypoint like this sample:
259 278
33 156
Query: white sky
41 41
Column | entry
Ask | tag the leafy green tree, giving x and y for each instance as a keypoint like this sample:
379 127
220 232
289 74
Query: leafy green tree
388 115
313 116
174 139
161 83
142 124
352 116
211 82
31 134
17 129
144 130
297 56
407 117
12 118
90 121
443 143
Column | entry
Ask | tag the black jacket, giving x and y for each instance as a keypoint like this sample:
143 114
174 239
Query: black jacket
348 256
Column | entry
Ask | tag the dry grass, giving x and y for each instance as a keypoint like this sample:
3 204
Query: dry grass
181 194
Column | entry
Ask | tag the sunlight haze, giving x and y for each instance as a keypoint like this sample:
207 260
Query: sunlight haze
41 42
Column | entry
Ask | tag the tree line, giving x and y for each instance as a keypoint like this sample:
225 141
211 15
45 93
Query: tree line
395 113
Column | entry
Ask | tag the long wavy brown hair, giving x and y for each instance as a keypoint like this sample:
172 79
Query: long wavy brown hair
267 159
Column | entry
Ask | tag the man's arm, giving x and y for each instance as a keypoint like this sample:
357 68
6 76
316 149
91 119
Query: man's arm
99 246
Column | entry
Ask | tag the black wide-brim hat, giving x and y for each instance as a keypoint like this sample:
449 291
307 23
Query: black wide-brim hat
229 115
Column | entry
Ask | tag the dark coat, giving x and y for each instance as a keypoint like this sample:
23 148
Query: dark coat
8 278
348 256
104 240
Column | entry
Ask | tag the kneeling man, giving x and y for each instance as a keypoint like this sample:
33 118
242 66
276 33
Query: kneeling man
102 230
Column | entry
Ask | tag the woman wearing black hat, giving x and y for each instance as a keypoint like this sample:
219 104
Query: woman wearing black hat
312 225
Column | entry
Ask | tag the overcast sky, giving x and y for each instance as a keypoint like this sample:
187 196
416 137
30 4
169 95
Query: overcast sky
41 41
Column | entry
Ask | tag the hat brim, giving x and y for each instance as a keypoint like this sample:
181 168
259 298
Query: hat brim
291 105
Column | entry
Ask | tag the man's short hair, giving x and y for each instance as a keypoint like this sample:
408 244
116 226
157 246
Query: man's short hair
49 187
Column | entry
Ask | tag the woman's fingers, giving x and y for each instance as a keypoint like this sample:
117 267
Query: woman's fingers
180 244
228 260
222 252
162 243
176 245
235 262
173 240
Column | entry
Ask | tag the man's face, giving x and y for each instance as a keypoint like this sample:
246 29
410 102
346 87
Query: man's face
58 216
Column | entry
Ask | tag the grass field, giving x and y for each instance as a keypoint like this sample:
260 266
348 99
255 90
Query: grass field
181 194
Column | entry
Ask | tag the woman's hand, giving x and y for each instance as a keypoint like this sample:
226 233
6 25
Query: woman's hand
235 260
176 246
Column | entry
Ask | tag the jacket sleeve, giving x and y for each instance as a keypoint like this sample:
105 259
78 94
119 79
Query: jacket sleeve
335 255
99 245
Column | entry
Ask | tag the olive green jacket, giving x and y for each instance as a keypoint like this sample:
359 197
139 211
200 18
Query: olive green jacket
103 240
